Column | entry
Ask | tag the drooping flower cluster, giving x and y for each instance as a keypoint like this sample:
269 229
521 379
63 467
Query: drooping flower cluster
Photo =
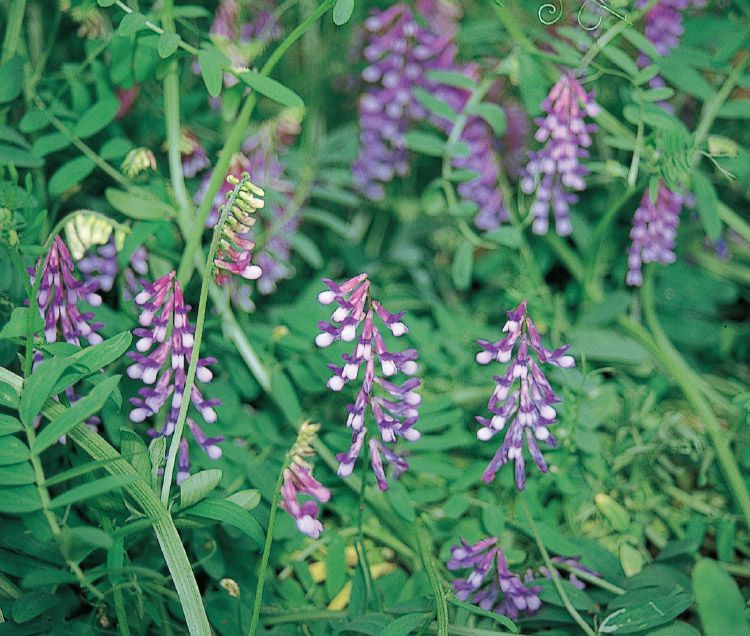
556 167
401 52
261 155
298 480
234 251
395 408
137 161
490 584
529 408
653 232
102 268
59 294
167 333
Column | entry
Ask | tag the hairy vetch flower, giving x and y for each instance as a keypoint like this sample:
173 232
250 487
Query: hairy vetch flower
102 268
138 160
394 406
298 480
556 166
194 157
167 333
574 566
234 251
59 294
490 584
653 232
529 408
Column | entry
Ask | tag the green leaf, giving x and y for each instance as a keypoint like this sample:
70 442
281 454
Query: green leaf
33 604
684 77
39 387
167 44
493 115
247 499
736 109
336 574
70 174
225 511
9 425
19 500
49 143
212 65
8 395
406 624
12 155
435 105
135 451
641 42
342 11
505 235
16 325
131 23
474 609
452 78
78 412
425 143
286 397
96 118
271 89
138 205
198 485
678 628
398 498
607 346
463 264
707 204
12 451
17 474
106 3
115 148
307 249
719 600
11 79
549 594
91 489
642 615
34 120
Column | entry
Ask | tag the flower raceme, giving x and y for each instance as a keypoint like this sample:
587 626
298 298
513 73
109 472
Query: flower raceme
298 480
167 333
395 407
529 408
490 584
556 166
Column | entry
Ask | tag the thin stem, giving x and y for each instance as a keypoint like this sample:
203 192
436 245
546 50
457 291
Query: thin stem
267 550
13 29
735 221
590 578
424 543
690 384
361 554
174 445
232 145
585 627
169 540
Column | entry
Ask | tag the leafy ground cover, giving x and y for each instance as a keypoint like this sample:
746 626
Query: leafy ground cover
374 318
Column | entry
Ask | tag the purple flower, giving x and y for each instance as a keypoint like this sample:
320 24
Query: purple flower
556 166
574 564
490 584
528 408
194 157
234 251
653 232
101 268
394 406
59 295
163 369
298 480
400 53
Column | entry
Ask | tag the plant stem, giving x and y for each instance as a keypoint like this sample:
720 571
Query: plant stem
232 145
267 550
13 29
585 627
169 540
174 445
424 543
690 384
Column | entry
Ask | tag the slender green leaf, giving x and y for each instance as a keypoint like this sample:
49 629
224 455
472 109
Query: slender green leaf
212 65
138 205
12 155
12 450
131 23
49 143
11 79
719 600
434 104
9 425
225 511
271 89
135 451
463 264
406 624
39 387
96 118
493 115
707 203
33 604
70 174
91 489
342 11
452 78
425 143
198 485
16 474
246 499
167 44
19 500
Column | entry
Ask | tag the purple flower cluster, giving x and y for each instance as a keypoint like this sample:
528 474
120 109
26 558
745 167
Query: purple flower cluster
664 22
396 410
194 157
401 52
574 565
556 166
298 480
653 232
161 363
490 584
59 294
101 268
529 408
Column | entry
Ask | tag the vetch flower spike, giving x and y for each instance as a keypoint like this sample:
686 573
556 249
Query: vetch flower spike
162 356
395 406
557 166
233 252
490 584
298 480
59 294
529 409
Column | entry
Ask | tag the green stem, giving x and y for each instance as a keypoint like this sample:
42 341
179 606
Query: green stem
169 540
590 578
267 550
585 627
424 545
232 145
13 29
735 221
360 543
174 445
690 384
